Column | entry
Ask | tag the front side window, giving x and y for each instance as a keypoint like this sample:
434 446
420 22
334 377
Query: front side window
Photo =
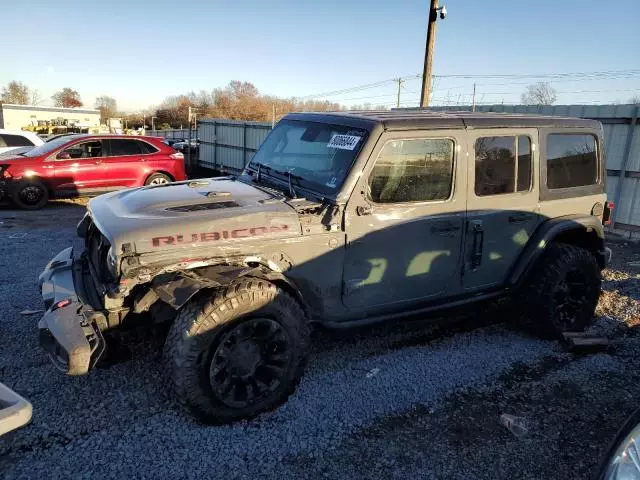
572 160
317 155
90 149
502 165
418 170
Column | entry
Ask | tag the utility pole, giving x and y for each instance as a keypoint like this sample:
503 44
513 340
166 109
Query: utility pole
473 100
189 143
273 116
152 124
400 82
434 9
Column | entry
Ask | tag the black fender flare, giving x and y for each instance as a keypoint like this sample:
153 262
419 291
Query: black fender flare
549 231
177 288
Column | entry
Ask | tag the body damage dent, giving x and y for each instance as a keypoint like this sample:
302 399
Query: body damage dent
178 288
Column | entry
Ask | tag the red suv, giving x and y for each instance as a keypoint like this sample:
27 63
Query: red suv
77 165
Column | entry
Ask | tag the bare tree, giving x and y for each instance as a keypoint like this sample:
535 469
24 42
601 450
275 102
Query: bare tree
68 98
36 98
541 93
15 92
107 106
635 100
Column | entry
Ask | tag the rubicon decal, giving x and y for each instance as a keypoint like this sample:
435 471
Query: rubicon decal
215 236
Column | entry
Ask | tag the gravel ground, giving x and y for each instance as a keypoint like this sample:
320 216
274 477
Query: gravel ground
409 400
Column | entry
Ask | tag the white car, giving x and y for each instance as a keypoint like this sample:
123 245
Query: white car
12 140
15 411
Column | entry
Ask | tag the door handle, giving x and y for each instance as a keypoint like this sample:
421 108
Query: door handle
520 218
478 241
98 161
444 229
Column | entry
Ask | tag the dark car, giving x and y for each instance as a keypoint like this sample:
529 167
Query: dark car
77 165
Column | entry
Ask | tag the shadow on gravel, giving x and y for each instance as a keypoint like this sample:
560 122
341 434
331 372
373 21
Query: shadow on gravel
573 404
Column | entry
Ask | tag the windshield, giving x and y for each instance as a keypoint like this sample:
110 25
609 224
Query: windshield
48 147
318 155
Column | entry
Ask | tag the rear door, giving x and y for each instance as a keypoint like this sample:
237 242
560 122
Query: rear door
78 168
126 161
502 202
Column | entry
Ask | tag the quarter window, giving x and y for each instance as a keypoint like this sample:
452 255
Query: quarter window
503 165
147 147
413 171
571 160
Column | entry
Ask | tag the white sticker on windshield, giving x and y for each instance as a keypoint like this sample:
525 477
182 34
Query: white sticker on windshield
343 142
332 183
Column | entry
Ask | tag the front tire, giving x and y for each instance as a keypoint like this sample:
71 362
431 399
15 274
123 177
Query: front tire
238 352
562 293
30 195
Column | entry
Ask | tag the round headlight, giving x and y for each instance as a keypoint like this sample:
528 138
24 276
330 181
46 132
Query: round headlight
112 262
623 462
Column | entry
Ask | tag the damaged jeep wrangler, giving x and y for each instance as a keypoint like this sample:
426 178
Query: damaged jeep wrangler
339 219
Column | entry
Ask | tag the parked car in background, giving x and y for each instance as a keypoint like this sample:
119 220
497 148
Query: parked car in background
77 165
12 140
15 411
183 146
172 141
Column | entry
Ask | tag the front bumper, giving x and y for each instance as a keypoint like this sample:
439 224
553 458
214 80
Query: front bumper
68 330
15 411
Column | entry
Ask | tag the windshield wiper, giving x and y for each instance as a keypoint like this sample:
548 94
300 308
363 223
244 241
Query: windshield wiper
290 176
258 167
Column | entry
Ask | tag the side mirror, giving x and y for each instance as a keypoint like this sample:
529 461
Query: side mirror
622 459
64 156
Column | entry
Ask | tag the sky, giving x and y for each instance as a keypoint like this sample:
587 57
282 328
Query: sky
141 52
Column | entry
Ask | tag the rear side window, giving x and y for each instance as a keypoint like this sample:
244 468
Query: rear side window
572 160
503 165
7 140
413 171
124 146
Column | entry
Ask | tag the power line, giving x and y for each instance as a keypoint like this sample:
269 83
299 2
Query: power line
554 77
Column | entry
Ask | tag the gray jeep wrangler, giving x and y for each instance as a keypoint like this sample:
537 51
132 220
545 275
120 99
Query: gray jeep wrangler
339 219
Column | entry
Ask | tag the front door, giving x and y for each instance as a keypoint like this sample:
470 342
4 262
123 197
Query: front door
405 220
78 168
502 203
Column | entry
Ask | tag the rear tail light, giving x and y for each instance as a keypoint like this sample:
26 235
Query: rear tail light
608 213
177 156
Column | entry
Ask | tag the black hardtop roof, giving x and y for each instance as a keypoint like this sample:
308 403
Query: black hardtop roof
406 119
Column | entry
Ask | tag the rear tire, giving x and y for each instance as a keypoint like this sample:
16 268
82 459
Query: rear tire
30 195
158 179
237 352
562 293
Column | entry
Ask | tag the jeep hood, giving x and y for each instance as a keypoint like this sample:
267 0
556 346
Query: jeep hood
186 214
